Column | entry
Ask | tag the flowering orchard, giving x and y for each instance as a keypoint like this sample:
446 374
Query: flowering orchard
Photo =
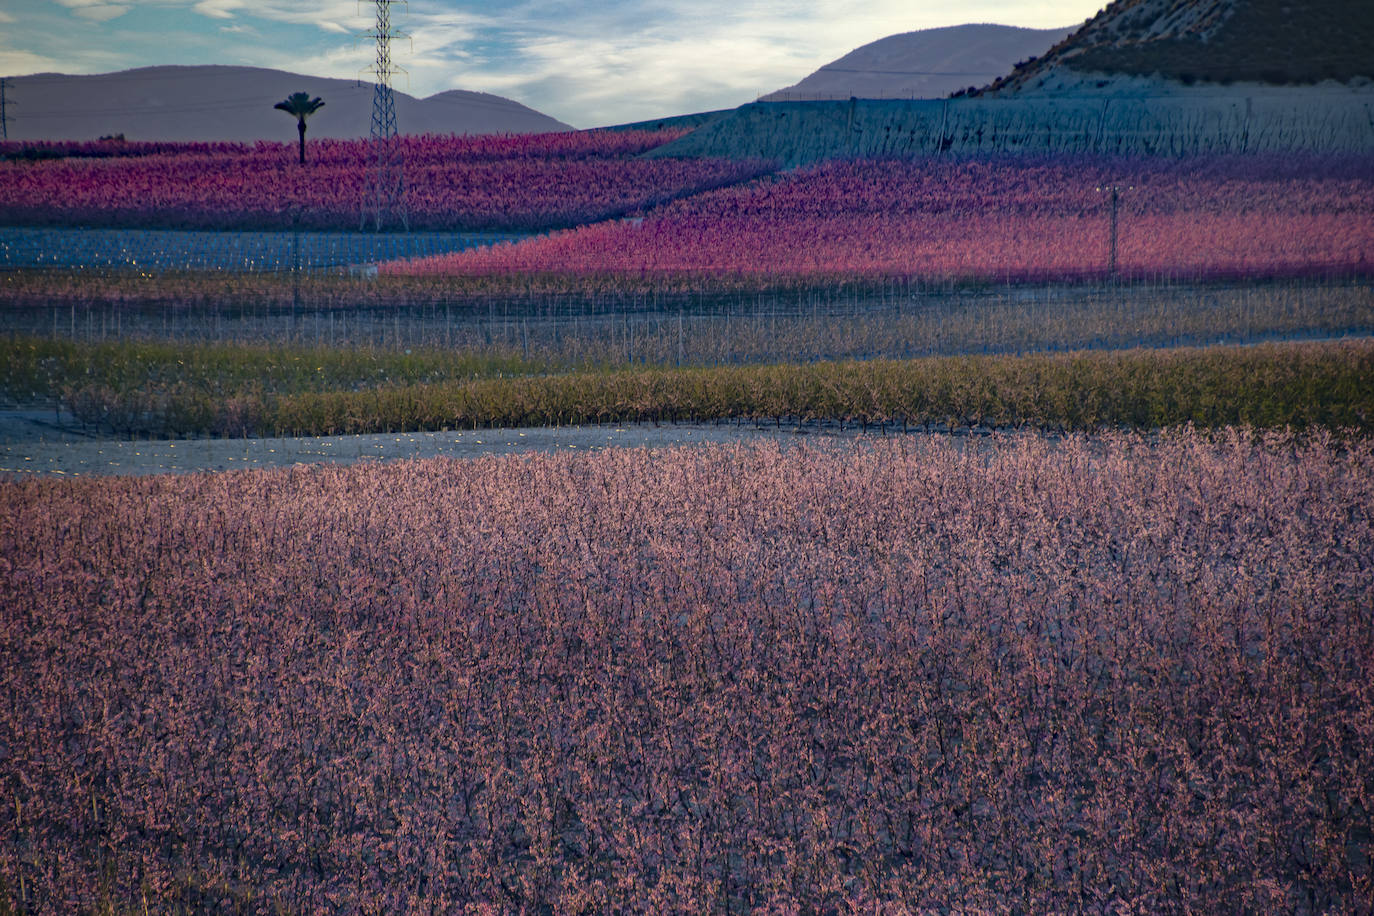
991 218
526 182
1120 674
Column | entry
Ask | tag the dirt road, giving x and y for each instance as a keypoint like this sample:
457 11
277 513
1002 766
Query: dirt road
41 442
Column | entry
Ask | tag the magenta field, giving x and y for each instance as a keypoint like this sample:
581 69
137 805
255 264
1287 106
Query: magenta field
527 182
990 219
1028 219
1121 674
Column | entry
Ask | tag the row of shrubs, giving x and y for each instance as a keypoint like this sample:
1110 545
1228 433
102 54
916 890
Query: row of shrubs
1274 385
36 369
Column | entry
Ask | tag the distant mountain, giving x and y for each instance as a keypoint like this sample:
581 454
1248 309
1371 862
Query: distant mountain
927 64
1191 42
212 103
1143 77
674 122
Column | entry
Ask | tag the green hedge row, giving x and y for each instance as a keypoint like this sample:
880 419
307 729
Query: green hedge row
34 369
1329 384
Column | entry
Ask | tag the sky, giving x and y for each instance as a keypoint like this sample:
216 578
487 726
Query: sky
588 64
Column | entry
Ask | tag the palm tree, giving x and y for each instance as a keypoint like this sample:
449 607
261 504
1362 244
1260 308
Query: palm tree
301 106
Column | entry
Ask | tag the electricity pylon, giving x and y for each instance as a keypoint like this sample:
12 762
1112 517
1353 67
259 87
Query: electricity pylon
384 197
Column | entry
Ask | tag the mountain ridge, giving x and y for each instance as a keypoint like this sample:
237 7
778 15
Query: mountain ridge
215 102
926 63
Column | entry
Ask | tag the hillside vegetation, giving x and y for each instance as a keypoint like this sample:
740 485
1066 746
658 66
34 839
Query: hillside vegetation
1280 42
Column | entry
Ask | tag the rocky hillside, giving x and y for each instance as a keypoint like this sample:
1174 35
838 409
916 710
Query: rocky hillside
1272 42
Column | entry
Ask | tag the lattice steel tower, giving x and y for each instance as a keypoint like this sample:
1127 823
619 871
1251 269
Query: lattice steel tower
384 198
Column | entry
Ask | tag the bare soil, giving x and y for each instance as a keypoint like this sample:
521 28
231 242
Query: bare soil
46 442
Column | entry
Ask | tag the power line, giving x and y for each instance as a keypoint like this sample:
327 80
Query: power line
207 108
129 76
243 103
829 69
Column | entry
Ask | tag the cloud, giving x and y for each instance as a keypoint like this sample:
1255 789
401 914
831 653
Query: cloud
621 60
96 12
19 61
5 17
336 16
219 9
599 70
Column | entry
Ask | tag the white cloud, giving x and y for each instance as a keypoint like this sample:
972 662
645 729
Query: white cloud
219 9
5 17
96 12
16 62
622 60
337 16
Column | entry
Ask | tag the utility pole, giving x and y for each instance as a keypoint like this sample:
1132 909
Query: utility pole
1116 204
385 196
1116 196
4 112
296 275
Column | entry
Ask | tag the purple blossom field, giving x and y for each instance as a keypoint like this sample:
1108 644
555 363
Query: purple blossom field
1118 673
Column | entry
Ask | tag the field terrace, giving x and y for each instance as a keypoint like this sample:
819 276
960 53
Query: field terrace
1001 219
524 182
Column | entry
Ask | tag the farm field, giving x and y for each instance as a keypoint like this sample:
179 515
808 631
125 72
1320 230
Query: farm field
991 218
1073 616
467 184
1011 674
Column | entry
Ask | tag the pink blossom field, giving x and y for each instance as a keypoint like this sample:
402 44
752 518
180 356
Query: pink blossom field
998 219
521 182
1120 673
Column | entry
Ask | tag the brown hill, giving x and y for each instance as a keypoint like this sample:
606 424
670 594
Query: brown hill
1276 42
926 64
208 103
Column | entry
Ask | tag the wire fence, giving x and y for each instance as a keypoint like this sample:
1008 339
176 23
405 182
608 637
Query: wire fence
316 289
893 319
165 249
